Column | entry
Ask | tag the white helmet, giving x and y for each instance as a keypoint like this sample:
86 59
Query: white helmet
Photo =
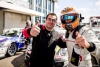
70 18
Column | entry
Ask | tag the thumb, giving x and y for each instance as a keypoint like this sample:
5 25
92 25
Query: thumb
77 33
37 22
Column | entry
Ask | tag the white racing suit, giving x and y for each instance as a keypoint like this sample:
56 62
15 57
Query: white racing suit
80 57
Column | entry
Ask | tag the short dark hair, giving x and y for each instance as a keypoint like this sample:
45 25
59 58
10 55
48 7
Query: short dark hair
51 14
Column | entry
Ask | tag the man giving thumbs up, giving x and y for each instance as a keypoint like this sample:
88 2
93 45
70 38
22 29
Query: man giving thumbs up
45 39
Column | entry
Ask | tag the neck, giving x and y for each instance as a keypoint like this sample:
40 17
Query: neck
48 28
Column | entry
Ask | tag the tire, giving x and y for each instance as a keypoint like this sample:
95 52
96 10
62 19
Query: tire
27 63
12 49
27 59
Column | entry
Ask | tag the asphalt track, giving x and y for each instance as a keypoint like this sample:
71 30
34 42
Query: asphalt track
14 61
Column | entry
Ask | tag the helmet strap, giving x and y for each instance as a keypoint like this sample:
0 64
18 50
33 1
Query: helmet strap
69 27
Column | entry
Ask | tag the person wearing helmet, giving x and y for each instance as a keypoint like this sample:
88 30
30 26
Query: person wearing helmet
80 40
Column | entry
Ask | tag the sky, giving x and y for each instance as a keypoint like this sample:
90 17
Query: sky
86 7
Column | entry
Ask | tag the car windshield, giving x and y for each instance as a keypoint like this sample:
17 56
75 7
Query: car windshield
11 33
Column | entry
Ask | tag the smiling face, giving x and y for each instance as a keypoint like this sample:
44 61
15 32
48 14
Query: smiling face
51 21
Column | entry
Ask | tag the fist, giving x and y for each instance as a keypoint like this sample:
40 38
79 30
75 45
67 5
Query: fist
35 30
81 41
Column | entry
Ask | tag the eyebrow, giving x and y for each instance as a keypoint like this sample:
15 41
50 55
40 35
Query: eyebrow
53 19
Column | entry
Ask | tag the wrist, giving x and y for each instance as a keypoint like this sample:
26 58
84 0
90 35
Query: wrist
92 47
88 45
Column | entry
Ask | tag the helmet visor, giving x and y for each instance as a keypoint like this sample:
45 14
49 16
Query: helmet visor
69 18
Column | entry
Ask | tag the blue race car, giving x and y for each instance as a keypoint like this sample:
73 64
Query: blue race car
11 41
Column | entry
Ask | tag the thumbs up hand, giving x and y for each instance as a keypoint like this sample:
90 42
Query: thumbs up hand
35 30
81 41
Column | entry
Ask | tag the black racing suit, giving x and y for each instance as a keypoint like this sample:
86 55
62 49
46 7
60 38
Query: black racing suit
43 54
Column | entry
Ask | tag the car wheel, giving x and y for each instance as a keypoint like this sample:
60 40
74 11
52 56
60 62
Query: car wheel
27 59
12 49
27 63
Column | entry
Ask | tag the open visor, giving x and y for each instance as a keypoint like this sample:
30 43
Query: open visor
69 18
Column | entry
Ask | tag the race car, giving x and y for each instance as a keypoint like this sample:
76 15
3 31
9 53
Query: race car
61 57
11 41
